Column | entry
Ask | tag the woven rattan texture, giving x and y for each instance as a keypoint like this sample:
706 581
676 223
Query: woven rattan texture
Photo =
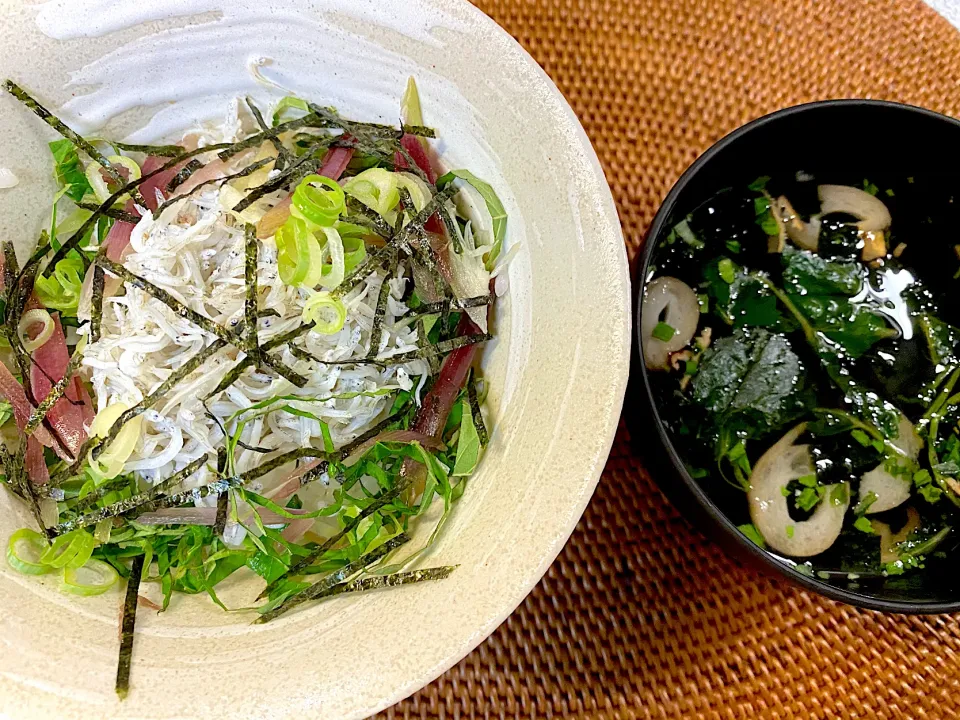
640 617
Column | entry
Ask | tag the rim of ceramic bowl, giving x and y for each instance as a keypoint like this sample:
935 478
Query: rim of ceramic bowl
654 237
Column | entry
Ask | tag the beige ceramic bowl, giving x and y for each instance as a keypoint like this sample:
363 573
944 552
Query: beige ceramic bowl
558 367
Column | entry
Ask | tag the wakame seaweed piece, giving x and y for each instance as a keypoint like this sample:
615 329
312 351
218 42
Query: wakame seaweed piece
96 309
318 589
294 173
79 142
284 157
376 331
444 347
114 213
77 237
142 501
242 173
128 625
839 239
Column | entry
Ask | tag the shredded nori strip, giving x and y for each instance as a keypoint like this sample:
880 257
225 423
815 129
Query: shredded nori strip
27 487
252 298
56 392
376 332
241 443
370 264
248 170
377 582
302 354
283 155
360 214
281 460
420 131
158 150
305 562
446 305
183 174
441 348
115 213
223 501
128 624
149 500
291 176
71 135
320 588
412 164
101 492
475 411
96 310
255 140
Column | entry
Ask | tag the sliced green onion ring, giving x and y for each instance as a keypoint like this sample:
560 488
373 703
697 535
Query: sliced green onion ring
92 578
67 548
32 317
24 551
318 200
326 313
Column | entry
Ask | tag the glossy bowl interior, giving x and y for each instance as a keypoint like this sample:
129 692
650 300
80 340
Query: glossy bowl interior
557 369
829 140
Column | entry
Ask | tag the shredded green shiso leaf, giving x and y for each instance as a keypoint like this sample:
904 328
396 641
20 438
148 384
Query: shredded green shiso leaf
98 523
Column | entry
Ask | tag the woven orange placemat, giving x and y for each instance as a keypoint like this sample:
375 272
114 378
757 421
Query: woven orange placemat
640 617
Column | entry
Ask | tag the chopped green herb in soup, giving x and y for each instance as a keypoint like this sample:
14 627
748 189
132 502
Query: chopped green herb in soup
803 342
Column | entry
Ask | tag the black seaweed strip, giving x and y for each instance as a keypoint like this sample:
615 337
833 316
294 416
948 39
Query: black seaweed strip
338 576
140 502
378 582
441 348
158 150
223 500
116 214
376 332
27 486
70 134
128 625
167 299
305 562
252 296
283 155
248 170
183 175
445 306
56 392
257 139
302 354
96 310
475 410
292 175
